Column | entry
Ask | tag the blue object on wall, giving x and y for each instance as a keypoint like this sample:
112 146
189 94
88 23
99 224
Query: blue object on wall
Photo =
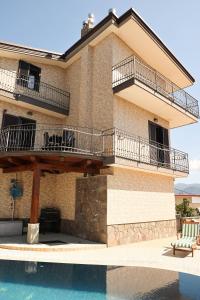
16 190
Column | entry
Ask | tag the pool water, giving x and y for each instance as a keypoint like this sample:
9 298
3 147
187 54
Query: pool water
49 281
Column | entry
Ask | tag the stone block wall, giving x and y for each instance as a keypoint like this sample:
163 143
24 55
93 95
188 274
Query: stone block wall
140 206
136 232
90 210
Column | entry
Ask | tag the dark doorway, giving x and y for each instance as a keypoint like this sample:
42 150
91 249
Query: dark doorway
159 139
19 132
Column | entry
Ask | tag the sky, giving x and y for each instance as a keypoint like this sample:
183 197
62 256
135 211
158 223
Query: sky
56 25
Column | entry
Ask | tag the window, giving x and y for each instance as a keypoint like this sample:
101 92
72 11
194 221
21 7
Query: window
159 139
29 76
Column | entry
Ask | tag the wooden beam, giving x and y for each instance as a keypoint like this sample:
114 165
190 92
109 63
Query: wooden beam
59 167
83 166
33 159
35 195
20 168
14 161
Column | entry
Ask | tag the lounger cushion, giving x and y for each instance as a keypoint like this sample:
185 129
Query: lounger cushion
184 242
190 230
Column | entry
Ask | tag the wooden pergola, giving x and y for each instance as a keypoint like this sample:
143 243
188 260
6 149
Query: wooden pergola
55 163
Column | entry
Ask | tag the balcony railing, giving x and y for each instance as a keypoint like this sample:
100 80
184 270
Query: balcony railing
46 95
132 67
51 138
104 144
135 148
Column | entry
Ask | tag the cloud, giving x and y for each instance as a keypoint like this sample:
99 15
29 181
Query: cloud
195 165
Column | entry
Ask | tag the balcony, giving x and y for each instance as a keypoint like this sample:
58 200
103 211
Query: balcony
42 97
112 146
138 83
124 148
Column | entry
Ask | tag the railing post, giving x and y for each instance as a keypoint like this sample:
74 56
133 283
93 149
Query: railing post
155 81
7 139
114 144
186 100
134 66
187 162
139 141
103 146
174 167
172 91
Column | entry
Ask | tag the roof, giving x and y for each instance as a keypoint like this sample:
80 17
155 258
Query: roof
28 50
187 195
117 21
101 26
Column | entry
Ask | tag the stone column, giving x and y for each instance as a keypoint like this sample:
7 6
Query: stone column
33 226
33 233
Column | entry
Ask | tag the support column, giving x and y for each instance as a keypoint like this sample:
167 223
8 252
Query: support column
33 226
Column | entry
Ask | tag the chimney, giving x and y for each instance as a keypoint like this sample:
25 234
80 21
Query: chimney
87 25
112 11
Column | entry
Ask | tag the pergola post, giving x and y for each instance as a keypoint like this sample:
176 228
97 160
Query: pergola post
33 226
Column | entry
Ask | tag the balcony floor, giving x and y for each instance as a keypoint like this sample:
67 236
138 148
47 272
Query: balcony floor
143 96
120 162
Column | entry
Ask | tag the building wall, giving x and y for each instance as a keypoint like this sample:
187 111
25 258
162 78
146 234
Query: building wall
55 191
133 119
14 109
102 95
72 83
9 64
120 50
142 197
23 204
128 116
140 206
65 194
52 75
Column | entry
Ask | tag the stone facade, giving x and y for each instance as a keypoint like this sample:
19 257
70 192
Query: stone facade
137 232
90 210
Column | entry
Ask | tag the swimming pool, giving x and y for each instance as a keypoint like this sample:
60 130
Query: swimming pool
49 281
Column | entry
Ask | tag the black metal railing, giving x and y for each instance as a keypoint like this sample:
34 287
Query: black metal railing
133 67
108 143
51 138
25 85
135 148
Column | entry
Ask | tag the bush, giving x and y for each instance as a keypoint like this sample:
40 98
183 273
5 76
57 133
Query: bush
185 210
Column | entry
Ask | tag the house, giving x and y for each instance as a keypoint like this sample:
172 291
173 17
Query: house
194 200
88 132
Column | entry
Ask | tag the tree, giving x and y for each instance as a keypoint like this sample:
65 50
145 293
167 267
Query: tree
184 209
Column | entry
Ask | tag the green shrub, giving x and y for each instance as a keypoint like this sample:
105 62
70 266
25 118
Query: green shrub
185 210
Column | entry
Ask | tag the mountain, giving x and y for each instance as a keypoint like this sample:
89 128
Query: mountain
183 188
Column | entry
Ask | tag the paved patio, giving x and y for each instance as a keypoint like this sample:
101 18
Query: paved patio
155 254
49 242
